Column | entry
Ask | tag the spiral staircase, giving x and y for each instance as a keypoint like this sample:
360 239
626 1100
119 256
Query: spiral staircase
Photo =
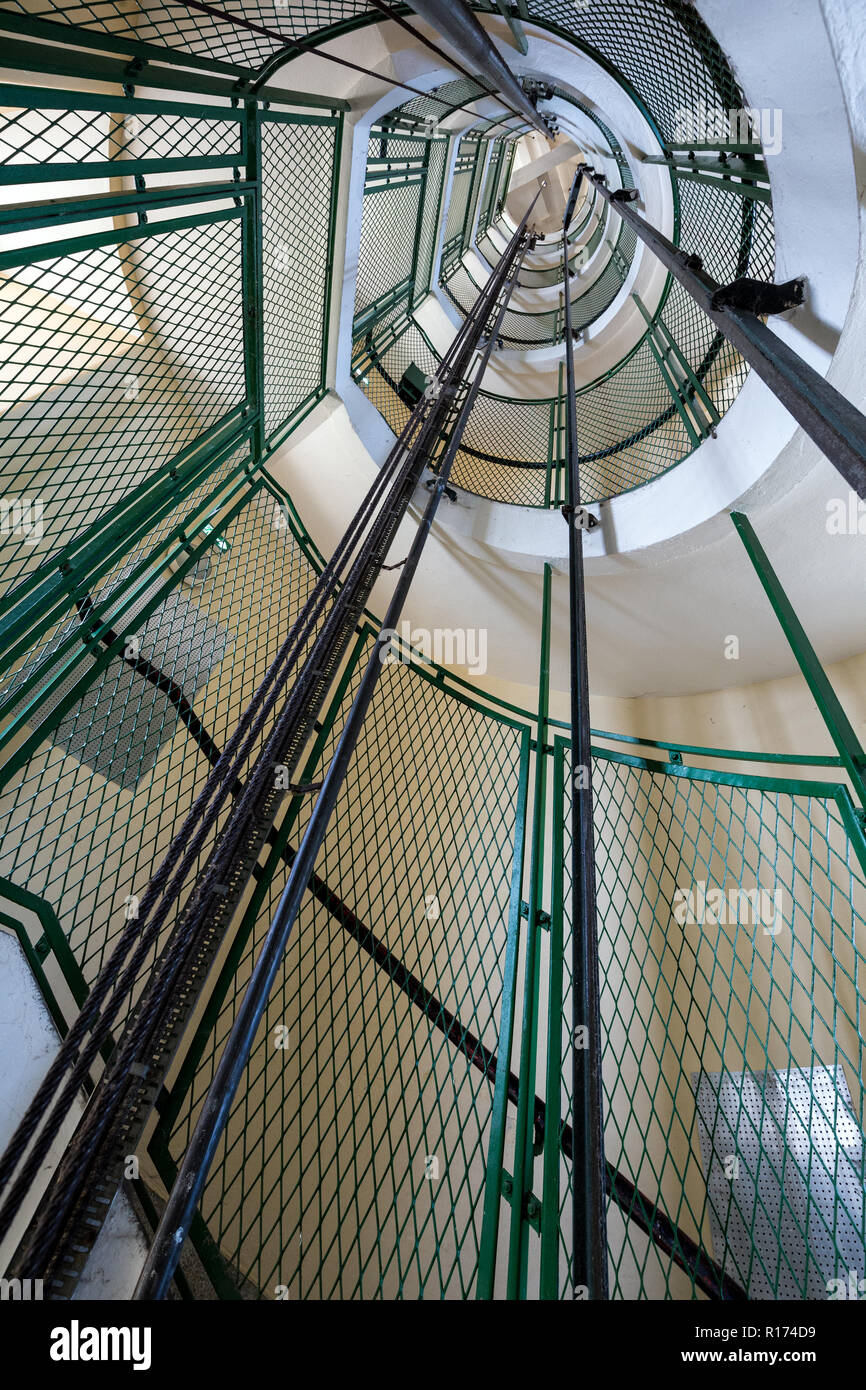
375 404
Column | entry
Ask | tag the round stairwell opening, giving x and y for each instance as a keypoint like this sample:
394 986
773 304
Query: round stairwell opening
655 377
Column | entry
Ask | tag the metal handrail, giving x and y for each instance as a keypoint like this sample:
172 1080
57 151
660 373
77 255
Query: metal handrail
830 420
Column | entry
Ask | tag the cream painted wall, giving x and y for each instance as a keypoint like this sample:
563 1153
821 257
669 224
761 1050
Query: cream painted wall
777 716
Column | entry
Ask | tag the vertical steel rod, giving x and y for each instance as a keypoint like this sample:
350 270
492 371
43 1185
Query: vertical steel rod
589 1253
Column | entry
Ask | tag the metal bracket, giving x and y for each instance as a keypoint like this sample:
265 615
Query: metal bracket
542 918
584 520
759 297
532 1212
531 1205
625 195
449 492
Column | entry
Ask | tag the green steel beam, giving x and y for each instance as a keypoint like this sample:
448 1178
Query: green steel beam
697 386
332 249
17 217
30 97
145 66
674 391
735 167
834 716
721 147
551 1152
511 19
31 255
523 1202
380 307
253 280
54 940
11 174
494 1178
419 222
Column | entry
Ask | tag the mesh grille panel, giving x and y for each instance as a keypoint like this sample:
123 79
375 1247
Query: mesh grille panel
701 978
322 1183
95 398
298 176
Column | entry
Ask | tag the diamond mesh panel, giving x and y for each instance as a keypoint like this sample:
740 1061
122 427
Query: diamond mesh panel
299 172
353 1163
119 130
732 931
95 396
387 242
402 197
427 238
503 433
158 22
437 104
87 820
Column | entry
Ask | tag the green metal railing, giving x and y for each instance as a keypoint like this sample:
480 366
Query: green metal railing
163 337
415 932
653 408
707 1007
513 449
524 328
166 333
402 201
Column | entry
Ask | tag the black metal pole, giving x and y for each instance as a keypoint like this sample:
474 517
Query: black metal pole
589 1233
184 1197
454 20
835 425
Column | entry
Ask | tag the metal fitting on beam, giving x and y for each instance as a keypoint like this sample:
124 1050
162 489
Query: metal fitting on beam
581 518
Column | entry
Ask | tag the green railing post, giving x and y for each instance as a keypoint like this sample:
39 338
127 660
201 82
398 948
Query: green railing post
332 242
523 1202
558 492
419 222
253 279
706 415
494 1178
835 718
551 452
550 1228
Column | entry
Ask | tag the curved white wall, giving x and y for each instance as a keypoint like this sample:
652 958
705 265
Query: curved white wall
667 578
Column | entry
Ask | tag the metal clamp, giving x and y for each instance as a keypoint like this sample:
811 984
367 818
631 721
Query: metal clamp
580 517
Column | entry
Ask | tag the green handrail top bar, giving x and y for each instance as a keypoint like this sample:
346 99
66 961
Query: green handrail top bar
71 62
800 759
478 696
